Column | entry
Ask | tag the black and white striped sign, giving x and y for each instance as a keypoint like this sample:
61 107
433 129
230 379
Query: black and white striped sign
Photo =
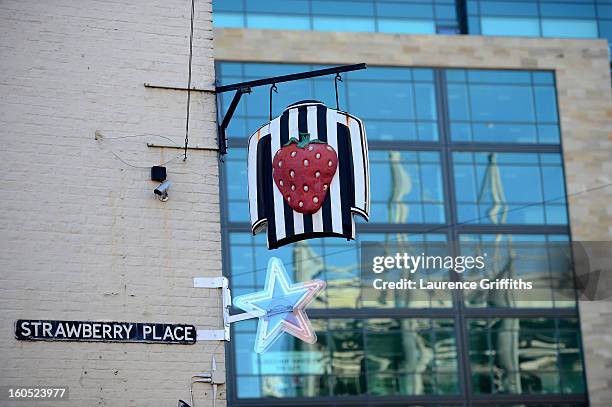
349 189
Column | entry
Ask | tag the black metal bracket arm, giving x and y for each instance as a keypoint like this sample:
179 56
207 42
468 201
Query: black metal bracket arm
222 138
245 87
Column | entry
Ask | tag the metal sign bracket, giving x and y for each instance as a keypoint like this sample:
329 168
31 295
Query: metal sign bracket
226 298
245 87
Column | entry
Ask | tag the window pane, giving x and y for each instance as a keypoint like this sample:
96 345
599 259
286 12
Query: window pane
542 260
567 10
566 28
408 187
405 357
356 24
491 188
228 5
345 8
524 356
498 8
277 6
279 22
222 19
502 106
423 10
521 27
393 100
396 25
502 103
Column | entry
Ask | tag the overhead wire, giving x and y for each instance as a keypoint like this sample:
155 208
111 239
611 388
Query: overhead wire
446 226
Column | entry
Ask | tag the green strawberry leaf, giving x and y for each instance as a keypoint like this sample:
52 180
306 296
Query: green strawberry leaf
303 141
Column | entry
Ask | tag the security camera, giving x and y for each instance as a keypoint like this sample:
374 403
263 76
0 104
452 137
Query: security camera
162 191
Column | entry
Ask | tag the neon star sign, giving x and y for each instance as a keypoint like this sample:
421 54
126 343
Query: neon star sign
280 307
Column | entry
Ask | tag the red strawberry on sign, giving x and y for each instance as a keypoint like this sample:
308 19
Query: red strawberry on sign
303 170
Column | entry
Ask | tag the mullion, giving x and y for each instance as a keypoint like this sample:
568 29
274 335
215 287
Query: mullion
463 366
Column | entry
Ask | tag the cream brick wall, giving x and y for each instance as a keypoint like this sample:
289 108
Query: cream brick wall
583 86
83 237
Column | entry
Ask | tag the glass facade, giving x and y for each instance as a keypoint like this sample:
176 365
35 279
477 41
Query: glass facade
541 18
529 18
391 16
451 168
512 355
526 114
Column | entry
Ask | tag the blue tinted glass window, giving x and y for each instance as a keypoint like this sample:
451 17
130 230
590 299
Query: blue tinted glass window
567 10
232 20
540 18
405 10
294 369
507 9
564 28
506 107
491 188
557 19
390 16
501 103
560 342
532 257
343 8
229 5
510 26
331 23
277 6
408 187
280 22
396 25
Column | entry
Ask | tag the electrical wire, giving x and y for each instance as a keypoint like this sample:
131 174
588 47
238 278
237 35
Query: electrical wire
445 226
189 78
100 137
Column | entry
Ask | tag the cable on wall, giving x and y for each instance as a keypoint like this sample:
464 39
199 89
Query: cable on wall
189 79
100 137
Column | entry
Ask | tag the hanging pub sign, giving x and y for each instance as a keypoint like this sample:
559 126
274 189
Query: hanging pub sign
308 174
92 331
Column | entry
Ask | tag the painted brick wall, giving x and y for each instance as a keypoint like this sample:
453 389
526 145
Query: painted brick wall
83 237
585 105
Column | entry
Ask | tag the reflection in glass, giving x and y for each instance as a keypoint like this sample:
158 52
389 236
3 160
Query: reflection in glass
543 260
354 357
408 187
535 355
492 188
333 260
